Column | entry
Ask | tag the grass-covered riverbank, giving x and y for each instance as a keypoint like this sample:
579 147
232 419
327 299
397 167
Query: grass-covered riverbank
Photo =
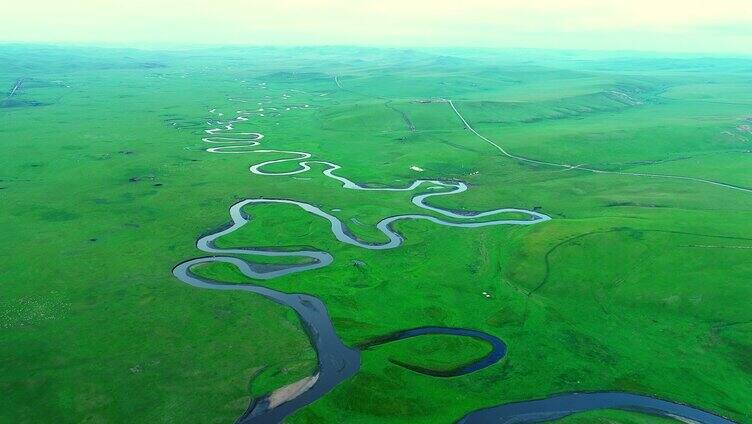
637 283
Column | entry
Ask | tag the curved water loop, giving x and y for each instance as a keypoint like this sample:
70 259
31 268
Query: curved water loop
498 349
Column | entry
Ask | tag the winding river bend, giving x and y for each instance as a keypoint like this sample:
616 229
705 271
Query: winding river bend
336 361
560 406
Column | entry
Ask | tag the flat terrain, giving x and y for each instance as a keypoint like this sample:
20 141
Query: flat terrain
640 282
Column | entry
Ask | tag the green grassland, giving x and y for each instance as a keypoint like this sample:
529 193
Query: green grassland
638 284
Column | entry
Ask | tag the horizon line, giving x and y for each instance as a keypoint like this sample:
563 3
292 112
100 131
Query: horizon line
186 46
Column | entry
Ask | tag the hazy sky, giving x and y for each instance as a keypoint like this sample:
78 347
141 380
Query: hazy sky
723 26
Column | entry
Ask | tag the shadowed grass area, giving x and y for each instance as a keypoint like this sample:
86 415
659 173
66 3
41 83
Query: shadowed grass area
434 355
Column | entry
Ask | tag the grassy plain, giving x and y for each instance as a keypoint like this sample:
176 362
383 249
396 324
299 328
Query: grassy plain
637 284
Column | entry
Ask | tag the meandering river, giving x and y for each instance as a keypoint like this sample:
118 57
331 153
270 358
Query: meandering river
337 361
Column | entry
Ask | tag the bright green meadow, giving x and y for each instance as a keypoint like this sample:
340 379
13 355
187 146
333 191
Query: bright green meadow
638 283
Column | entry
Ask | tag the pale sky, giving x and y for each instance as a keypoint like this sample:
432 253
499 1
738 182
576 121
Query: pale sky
712 26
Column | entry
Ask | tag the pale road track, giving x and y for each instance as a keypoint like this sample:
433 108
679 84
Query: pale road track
584 168
579 166
16 87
